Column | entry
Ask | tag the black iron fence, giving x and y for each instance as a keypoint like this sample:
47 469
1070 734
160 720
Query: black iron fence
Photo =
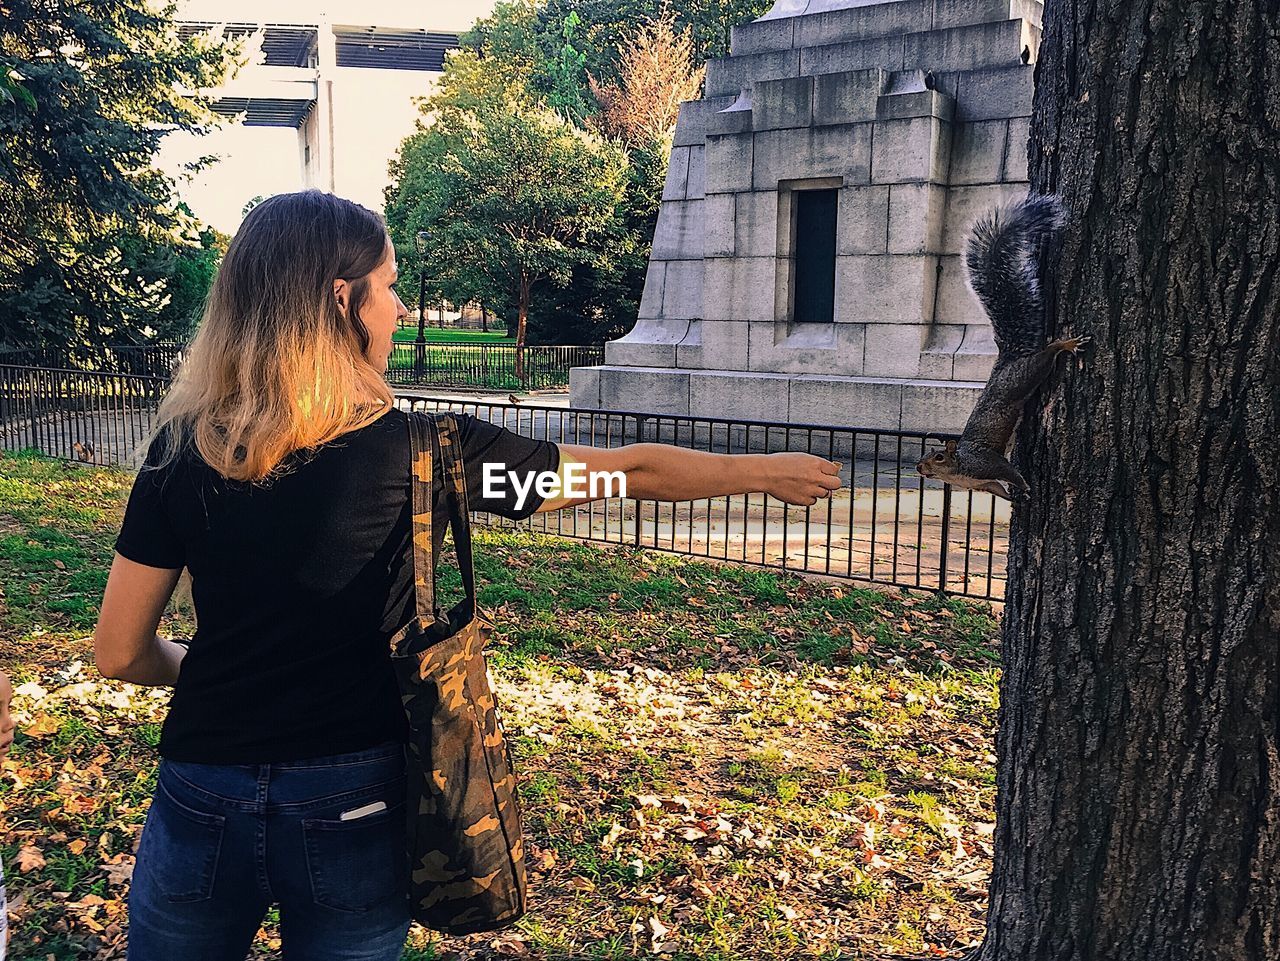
152 360
94 416
887 525
464 364
487 366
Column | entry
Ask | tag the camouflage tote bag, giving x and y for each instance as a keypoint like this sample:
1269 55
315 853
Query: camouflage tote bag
464 835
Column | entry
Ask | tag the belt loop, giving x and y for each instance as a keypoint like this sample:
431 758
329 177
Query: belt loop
264 778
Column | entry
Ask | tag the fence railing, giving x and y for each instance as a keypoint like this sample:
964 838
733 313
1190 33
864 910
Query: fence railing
887 525
464 364
94 416
487 366
153 360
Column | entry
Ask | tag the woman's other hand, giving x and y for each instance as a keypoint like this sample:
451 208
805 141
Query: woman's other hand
800 478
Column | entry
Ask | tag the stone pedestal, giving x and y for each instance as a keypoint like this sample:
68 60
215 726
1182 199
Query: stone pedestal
915 113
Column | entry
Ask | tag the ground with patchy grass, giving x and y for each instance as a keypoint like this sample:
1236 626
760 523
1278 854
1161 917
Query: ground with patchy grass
718 762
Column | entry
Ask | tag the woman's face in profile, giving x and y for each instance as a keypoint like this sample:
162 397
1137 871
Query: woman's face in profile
381 310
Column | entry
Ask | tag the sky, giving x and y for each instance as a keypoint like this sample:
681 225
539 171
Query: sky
264 161
435 14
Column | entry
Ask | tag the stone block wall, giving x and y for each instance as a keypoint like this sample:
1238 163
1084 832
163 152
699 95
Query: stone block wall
916 112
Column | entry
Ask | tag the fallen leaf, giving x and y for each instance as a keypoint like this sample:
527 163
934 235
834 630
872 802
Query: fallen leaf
700 888
119 872
29 858
30 689
658 933
509 945
611 838
44 725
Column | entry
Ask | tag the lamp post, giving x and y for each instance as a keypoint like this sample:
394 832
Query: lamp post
420 348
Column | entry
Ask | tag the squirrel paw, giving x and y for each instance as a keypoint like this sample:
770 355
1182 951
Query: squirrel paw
1072 345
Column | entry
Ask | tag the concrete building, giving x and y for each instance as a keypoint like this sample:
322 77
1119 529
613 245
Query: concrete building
325 102
806 263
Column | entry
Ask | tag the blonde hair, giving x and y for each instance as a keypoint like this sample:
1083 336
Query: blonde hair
275 365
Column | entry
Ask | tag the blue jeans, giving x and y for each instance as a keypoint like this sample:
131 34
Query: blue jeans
222 843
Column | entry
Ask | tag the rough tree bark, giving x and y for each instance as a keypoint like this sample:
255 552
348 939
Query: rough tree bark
522 321
1139 774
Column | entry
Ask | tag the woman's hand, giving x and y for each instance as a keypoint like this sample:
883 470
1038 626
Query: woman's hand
6 721
800 478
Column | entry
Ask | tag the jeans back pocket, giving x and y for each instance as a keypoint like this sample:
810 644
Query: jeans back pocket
358 864
180 847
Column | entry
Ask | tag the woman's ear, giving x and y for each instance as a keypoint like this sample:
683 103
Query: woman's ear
340 291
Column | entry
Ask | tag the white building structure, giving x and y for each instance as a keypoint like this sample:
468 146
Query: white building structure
325 102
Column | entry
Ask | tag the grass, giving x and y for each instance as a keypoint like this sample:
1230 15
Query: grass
716 762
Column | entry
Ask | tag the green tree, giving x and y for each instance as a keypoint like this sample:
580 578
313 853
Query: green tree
567 74
510 192
532 34
88 228
195 263
603 298
250 204
626 59
656 72
11 88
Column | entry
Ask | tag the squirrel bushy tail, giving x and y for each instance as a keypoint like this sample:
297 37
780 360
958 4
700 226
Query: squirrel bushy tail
1002 272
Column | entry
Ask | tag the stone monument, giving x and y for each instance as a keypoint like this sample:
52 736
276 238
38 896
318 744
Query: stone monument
806 265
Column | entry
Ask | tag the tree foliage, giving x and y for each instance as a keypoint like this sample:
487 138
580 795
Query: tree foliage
616 67
531 33
195 262
89 232
656 74
509 191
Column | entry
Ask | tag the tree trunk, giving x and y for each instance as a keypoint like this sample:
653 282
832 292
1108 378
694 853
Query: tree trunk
521 322
1139 776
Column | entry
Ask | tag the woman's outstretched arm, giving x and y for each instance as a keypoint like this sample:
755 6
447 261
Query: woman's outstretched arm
663 472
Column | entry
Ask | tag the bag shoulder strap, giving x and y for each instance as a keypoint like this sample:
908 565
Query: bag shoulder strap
427 435
420 473
455 478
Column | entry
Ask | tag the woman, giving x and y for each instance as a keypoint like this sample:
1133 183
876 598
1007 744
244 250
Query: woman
278 475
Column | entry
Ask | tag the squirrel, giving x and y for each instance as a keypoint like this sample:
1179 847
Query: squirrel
1002 272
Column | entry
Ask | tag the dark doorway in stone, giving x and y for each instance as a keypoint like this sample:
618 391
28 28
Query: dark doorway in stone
815 256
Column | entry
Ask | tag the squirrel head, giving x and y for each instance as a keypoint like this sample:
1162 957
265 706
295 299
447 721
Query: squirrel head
939 463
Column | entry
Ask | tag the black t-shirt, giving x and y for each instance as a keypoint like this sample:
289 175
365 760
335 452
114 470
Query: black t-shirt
298 585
